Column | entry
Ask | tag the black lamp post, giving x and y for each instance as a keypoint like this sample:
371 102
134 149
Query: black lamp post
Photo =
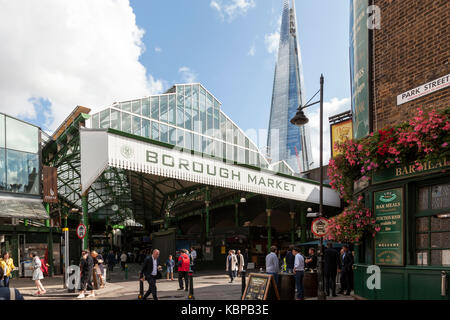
300 120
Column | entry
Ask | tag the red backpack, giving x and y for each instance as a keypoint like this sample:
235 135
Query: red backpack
44 267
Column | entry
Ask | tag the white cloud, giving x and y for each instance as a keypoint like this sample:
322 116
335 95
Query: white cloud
230 9
252 51
331 108
188 75
158 49
69 53
272 40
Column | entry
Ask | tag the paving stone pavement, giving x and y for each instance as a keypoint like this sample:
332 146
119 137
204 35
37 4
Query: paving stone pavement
207 286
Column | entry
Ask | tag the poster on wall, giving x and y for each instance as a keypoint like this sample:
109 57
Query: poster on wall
389 246
339 133
359 67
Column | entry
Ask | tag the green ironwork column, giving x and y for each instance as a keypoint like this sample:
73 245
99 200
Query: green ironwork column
303 224
236 214
207 219
269 229
84 203
50 242
166 220
292 215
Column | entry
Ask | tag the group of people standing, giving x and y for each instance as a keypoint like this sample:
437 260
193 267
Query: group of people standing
90 262
235 263
295 262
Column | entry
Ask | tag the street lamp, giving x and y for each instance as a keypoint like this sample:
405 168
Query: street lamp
300 120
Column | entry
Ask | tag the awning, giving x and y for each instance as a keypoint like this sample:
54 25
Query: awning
21 208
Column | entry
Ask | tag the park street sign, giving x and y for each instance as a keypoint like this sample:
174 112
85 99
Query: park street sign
319 227
423 90
81 231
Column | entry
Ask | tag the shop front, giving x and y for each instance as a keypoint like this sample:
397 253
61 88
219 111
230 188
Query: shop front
412 247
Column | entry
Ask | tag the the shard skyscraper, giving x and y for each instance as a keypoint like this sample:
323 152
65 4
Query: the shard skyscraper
286 141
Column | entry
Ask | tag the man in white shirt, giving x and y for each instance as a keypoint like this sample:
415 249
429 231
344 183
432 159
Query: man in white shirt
123 260
193 258
150 272
272 263
299 270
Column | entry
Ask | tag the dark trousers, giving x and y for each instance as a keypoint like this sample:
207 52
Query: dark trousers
231 275
86 282
275 277
122 264
183 275
6 282
346 281
299 275
151 287
330 282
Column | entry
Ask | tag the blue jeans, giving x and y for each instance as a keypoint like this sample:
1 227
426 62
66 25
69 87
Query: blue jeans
6 281
299 283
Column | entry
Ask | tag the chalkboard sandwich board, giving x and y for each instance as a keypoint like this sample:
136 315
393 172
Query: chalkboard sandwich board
261 287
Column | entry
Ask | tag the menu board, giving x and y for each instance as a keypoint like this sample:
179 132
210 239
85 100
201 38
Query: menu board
389 216
261 287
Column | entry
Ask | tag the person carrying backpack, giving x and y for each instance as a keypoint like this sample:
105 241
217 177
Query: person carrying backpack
184 264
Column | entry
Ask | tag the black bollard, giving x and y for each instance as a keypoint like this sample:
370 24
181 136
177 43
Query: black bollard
191 285
243 281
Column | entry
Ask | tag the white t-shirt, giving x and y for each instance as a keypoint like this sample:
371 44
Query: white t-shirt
123 257
194 254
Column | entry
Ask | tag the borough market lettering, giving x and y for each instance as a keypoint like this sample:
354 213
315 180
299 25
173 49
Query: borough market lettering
215 171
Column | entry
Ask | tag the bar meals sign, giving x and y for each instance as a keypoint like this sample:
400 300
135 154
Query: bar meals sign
146 157
423 90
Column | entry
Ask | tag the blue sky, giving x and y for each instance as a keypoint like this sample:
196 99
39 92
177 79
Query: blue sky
57 55
193 34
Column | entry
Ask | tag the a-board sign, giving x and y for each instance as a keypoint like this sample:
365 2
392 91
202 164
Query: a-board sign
261 287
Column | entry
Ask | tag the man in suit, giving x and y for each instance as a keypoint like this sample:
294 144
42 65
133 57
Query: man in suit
331 265
347 270
151 271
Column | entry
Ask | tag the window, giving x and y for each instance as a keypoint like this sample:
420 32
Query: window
433 228
155 130
2 169
164 133
197 144
21 136
126 122
136 107
136 125
196 118
2 131
164 109
180 138
145 128
146 108
155 107
22 172
180 111
172 109
95 121
115 119
126 106
188 140
104 119
172 135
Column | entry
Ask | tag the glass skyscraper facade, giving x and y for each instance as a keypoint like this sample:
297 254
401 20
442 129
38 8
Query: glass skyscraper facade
286 141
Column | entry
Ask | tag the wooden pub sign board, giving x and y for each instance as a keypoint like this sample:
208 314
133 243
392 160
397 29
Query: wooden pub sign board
261 287
50 184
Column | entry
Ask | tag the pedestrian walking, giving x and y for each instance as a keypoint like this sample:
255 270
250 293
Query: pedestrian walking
331 265
231 265
8 293
183 270
245 259
272 263
123 260
193 258
170 264
36 265
86 268
299 271
347 272
110 261
151 270
98 267
7 265
240 262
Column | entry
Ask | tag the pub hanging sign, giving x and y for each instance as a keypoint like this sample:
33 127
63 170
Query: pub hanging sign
389 243
50 184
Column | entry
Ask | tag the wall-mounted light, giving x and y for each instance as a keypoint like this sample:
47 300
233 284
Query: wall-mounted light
443 216
243 200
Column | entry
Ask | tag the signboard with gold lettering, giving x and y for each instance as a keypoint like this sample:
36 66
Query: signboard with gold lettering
339 133
389 216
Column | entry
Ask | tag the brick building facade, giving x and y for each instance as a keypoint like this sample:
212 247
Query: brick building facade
410 49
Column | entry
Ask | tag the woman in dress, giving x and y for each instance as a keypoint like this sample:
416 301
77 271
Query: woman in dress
37 274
